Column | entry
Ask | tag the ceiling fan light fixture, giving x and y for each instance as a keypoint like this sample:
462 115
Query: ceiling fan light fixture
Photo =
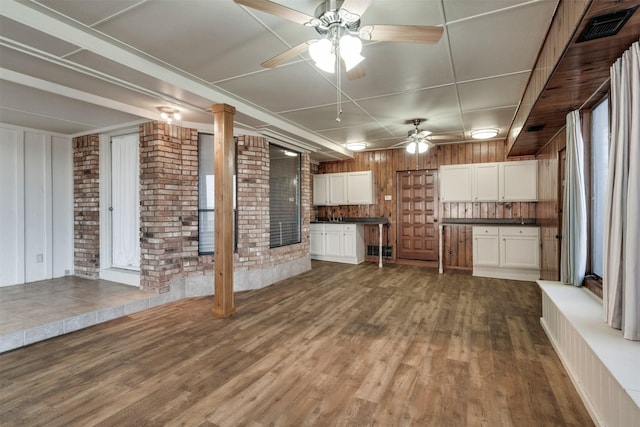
421 146
321 53
350 48
484 133
356 146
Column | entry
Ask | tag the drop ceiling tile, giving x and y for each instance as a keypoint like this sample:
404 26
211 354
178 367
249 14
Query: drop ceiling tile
92 11
48 124
492 92
295 86
212 40
405 12
399 67
369 132
324 117
427 104
500 43
461 9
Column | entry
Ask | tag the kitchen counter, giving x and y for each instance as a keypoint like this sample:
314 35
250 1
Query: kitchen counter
530 222
379 221
488 221
354 220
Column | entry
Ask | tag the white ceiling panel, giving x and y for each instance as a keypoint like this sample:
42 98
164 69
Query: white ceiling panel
492 92
92 11
510 41
306 87
138 55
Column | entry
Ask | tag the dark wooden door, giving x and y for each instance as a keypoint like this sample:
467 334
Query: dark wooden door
417 215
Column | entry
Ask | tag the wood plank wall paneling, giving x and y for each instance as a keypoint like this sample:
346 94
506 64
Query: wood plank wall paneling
565 21
547 206
385 164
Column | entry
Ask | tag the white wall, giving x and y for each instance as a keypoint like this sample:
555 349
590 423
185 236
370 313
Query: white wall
36 205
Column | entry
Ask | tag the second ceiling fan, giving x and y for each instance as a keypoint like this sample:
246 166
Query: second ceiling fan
338 22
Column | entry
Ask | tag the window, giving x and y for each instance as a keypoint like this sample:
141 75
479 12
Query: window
284 196
206 196
599 170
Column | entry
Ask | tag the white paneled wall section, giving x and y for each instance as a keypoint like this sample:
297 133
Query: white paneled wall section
36 208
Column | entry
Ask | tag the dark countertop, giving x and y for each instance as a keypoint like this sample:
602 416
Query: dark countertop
348 220
488 221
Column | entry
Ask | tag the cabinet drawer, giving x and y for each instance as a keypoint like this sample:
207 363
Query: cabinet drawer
519 231
485 231
349 227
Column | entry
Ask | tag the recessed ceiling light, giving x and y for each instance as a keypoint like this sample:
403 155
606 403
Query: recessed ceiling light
484 133
356 146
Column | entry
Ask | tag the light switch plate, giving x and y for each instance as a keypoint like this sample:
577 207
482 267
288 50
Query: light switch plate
387 196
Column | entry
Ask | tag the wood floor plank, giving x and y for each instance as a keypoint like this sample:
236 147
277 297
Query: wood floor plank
339 345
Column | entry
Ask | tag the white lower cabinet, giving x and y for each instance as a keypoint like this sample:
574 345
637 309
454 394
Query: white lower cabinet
337 242
507 252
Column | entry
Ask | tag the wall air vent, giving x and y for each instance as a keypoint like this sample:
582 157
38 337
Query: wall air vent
605 25
534 128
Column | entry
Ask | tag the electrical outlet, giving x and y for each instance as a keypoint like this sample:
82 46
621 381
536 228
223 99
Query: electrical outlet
39 258
387 196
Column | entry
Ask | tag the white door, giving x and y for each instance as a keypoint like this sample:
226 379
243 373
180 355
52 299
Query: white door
125 202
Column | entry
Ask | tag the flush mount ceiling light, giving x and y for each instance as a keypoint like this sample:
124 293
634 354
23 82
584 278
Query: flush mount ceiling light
356 146
484 133
169 114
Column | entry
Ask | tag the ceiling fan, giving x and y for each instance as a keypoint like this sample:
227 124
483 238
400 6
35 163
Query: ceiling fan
418 141
338 22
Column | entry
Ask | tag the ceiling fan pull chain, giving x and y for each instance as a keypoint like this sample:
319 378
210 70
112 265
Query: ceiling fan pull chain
339 83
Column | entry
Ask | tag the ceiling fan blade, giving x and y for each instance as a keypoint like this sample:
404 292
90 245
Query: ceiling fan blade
423 134
402 33
356 72
278 10
356 7
285 56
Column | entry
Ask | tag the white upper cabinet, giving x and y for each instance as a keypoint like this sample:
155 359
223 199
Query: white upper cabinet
360 188
485 182
489 182
456 183
349 188
519 181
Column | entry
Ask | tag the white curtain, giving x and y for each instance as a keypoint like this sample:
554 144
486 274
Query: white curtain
573 262
621 281
125 200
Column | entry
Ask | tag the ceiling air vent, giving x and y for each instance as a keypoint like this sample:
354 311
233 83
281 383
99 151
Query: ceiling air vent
605 25
534 128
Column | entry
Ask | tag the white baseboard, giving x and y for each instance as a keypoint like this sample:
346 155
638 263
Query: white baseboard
126 277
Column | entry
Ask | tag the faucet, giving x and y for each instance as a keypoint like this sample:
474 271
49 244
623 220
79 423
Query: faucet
521 220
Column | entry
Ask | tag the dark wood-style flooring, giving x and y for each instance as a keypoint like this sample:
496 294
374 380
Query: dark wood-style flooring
340 345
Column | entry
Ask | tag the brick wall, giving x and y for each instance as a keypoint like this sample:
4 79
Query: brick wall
168 203
169 212
86 206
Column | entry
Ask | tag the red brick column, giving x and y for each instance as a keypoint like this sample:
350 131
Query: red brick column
168 202
86 206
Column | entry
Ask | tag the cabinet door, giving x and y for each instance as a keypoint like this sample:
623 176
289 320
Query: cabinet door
349 242
320 190
316 240
360 188
333 240
520 252
455 183
486 247
337 188
519 181
485 182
